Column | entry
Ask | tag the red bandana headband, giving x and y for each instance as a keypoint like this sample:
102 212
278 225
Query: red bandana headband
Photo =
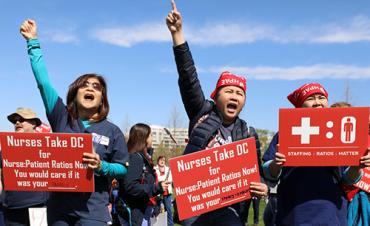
229 79
298 96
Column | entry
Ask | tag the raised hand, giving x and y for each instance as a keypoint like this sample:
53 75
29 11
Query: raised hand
174 24
174 19
28 29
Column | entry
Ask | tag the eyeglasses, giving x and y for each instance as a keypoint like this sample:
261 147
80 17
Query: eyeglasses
95 85
21 120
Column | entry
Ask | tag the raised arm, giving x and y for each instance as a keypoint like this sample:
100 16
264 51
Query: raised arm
174 24
49 95
190 89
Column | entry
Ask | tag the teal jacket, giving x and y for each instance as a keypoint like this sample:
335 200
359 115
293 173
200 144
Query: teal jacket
50 96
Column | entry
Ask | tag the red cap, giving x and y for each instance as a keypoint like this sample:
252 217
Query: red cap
229 79
298 96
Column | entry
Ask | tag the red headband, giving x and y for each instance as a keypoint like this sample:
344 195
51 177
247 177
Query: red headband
298 96
228 79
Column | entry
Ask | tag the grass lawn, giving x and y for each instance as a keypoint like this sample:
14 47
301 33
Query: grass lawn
250 215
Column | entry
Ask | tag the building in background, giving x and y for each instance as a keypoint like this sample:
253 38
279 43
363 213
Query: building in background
169 137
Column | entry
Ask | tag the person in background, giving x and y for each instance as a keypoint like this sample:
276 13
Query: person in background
114 199
341 104
164 174
140 186
212 123
17 203
255 201
309 195
269 214
358 200
86 111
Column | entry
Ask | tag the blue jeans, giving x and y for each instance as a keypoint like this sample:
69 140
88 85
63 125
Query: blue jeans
221 217
148 213
167 201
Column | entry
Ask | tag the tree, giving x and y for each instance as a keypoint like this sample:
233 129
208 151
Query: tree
162 150
175 120
265 137
347 95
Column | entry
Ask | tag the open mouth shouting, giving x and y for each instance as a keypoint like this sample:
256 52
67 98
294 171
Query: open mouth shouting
231 107
230 101
89 97
89 100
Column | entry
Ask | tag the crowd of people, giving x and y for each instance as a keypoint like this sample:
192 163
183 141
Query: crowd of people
130 188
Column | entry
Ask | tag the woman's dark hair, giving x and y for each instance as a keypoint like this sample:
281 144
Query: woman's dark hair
72 93
160 157
139 133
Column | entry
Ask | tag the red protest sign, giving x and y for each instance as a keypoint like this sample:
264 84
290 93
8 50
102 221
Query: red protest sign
364 183
46 162
323 136
214 178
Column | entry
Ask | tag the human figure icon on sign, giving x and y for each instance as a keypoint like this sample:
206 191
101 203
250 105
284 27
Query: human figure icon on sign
348 130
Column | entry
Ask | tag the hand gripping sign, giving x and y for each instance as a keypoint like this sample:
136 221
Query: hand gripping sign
323 136
214 178
364 183
46 162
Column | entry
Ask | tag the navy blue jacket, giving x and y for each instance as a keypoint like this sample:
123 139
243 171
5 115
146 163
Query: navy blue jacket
309 195
85 204
138 186
196 106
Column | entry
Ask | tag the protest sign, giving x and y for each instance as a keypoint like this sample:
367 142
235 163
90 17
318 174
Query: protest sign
214 178
323 136
364 183
46 162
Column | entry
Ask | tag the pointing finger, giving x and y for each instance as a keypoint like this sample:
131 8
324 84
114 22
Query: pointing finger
173 4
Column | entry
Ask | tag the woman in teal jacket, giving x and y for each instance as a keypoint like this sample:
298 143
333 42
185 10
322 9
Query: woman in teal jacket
85 112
